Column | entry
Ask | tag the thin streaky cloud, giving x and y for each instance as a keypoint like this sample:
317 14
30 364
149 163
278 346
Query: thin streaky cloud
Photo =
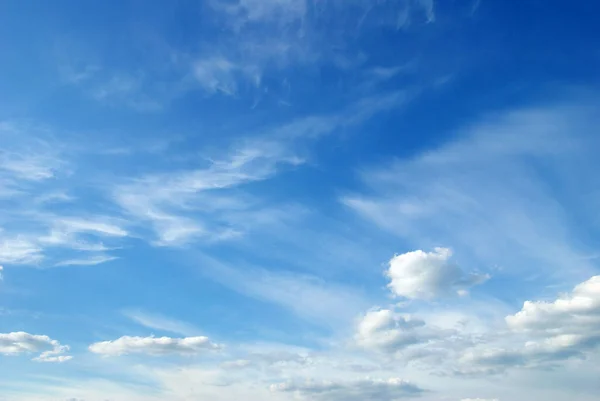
90 261
160 322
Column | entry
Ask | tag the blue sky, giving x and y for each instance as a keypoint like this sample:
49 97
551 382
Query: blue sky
299 200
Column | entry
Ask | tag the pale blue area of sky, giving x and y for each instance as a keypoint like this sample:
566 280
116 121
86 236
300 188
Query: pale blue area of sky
245 170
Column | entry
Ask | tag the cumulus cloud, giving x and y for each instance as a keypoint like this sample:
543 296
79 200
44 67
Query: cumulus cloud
17 343
543 333
565 327
575 313
428 275
389 331
154 346
358 390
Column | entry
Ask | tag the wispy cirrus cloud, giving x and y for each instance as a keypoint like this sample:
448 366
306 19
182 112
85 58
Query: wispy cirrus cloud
19 251
172 202
488 191
308 296
90 261
267 38
35 166
160 322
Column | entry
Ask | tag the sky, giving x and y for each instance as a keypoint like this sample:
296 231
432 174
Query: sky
324 200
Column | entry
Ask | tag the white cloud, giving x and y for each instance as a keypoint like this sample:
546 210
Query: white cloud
19 251
266 38
154 346
16 343
360 390
159 322
237 364
567 327
428 275
389 331
24 158
65 239
307 296
78 224
90 261
33 167
189 204
542 334
29 167
67 233
573 313
493 190
218 74
428 7
54 197
479 399
282 11
131 90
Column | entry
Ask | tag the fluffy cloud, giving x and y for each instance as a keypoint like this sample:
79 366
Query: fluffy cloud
17 343
575 313
428 275
386 330
543 333
563 328
358 390
154 346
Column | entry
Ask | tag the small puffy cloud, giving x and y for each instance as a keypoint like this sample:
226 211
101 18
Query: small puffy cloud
386 330
154 346
428 275
17 343
358 390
